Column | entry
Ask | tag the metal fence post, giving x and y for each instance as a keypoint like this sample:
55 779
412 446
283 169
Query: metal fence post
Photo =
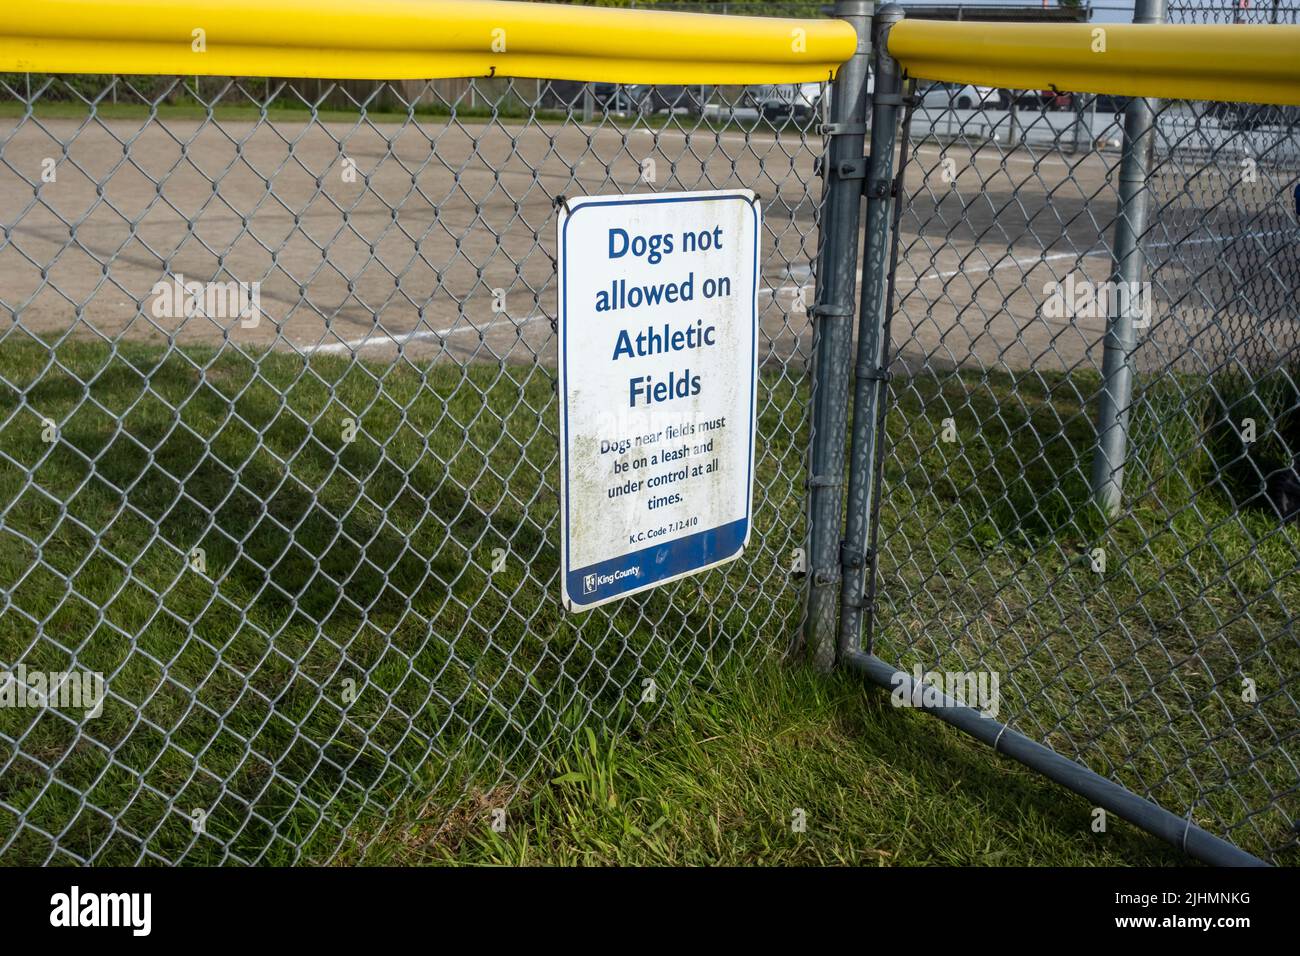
872 363
1079 107
833 333
1120 341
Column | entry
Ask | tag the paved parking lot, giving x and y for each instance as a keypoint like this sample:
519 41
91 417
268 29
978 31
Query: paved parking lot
437 238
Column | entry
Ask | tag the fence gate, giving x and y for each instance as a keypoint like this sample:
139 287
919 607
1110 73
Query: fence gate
1078 395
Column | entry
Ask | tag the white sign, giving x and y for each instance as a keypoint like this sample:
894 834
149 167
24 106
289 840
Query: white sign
658 357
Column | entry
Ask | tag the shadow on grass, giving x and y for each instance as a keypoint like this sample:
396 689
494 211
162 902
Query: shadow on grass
722 781
1123 643
313 586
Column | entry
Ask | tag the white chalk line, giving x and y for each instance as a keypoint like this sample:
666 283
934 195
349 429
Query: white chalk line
1022 261
795 273
978 155
391 340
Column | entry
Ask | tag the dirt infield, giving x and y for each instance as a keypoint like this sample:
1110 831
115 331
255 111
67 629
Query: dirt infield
442 244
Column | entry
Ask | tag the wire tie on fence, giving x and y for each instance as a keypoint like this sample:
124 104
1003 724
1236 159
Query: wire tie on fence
998 739
821 481
887 99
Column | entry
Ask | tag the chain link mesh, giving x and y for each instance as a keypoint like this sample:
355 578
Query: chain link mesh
1243 11
311 546
1157 646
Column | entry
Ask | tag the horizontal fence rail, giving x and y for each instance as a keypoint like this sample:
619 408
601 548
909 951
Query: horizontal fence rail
391 39
1178 831
1253 64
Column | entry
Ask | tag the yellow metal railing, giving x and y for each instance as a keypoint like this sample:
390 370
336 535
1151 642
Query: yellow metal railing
413 39
428 39
1251 64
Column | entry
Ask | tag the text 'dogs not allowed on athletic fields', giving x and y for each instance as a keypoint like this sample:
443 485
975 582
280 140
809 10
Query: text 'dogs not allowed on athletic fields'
658 350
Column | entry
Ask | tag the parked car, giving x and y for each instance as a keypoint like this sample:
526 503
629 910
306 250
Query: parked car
1110 103
562 94
1055 100
645 100
802 101
950 96
1037 100
1253 116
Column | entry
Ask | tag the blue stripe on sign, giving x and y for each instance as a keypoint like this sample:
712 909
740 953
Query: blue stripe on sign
656 563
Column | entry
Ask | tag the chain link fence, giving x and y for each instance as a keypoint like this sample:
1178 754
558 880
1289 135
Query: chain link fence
278 452
1156 645
1244 11
278 445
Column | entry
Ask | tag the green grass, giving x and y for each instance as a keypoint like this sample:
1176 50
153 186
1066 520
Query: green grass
347 640
986 561
348 651
718 778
